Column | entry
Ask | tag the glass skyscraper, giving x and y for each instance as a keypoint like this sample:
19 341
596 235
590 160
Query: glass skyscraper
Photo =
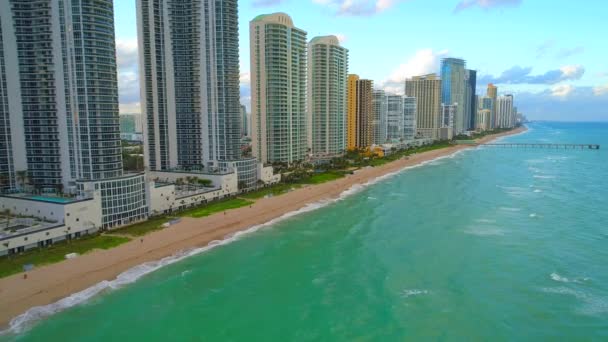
453 90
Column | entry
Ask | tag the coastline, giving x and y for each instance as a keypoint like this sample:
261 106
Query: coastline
98 270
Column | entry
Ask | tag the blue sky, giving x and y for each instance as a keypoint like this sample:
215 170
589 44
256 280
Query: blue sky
550 54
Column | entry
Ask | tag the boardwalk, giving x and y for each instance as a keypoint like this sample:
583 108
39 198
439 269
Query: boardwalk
545 146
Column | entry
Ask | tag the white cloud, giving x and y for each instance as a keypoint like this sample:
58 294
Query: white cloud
600 90
485 4
245 78
341 37
126 53
423 62
572 72
562 90
358 7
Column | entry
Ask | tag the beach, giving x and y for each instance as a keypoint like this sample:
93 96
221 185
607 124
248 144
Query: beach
49 284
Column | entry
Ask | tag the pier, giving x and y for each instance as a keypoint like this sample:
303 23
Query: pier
545 146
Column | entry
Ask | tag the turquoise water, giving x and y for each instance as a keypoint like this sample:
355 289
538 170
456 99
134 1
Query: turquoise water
52 199
492 244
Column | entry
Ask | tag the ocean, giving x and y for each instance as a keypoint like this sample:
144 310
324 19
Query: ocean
488 244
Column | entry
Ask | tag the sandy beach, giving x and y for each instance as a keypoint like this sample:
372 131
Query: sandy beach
48 284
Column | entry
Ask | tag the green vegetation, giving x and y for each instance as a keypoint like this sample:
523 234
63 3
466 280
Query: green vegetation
324 177
132 157
56 253
145 227
216 207
275 190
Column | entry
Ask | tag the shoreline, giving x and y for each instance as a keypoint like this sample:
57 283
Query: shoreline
98 270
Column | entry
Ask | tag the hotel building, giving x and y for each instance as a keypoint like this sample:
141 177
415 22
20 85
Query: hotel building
453 91
278 89
427 91
327 75
379 120
360 112
60 113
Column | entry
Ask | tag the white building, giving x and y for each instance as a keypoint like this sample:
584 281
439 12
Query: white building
379 120
278 89
327 73
505 117
394 117
409 118
38 221
62 103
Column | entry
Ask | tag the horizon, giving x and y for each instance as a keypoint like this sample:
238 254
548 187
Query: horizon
553 72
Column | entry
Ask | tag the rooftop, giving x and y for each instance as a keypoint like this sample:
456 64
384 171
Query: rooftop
47 198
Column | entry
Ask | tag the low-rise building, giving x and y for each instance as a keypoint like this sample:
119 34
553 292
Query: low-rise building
32 221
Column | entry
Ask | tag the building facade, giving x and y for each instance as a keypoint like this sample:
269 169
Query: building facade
470 107
395 120
427 91
360 112
492 92
453 90
245 126
278 89
351 112
327 82
189 82
64 122
409 118
505 117
379 120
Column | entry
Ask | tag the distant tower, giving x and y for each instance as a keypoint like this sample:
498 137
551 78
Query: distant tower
504 112
493 94
327 74
379 117
360 112
427 91
453 89
409 118
470 99
394 117
278 91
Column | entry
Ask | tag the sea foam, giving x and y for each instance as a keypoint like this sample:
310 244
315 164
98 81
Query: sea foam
27 319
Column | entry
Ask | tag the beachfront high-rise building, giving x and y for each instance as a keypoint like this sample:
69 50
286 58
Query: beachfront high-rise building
244 122
427 91
492 93
483 120
448 112
59 104
504 112
379 114
351 112
470 99
409 118
327 75
453 90
360 112
190 93
278 89
394 117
